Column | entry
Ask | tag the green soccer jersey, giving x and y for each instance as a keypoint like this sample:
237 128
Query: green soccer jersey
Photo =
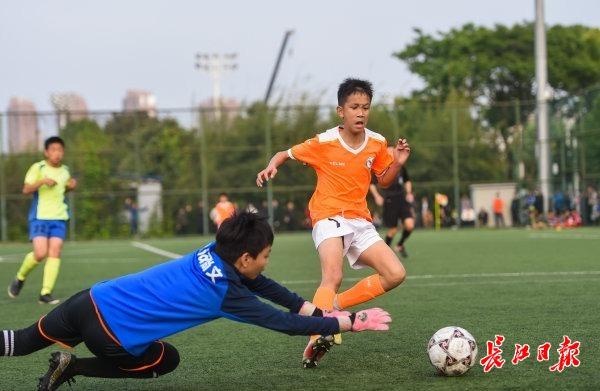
48 201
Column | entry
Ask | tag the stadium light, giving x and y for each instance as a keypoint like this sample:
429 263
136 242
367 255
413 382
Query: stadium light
216 64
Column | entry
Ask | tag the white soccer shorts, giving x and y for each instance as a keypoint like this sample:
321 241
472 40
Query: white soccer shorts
357 235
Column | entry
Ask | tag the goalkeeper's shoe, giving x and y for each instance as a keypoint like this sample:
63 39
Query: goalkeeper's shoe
61 364
315 350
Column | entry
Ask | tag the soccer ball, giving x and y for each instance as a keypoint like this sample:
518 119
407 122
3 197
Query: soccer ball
452 351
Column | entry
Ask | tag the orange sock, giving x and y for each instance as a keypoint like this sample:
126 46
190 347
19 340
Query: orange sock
324 300
364 290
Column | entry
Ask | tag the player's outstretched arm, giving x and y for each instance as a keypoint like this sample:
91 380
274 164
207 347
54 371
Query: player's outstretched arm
271 170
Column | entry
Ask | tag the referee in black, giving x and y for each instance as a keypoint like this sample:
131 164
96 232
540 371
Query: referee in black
397 202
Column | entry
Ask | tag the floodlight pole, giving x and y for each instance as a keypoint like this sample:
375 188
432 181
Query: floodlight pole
268 142
543 92
3 224
216 64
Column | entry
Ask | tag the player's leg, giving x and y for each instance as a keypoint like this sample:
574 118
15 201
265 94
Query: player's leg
158 359
331 257
23 341
111 359
113 362
389 235
53 328
390 219
408 225
329 236
370 250
33 259
52 267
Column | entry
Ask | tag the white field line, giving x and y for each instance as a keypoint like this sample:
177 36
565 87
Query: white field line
470 275
568 236
504 282
155 250
85 261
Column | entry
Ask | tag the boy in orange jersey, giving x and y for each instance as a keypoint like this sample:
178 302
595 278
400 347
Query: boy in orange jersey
344 158
222 210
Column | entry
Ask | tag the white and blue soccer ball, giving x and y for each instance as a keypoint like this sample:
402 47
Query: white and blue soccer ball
452 351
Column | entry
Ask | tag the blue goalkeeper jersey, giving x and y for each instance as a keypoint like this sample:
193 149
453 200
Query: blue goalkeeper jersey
199 287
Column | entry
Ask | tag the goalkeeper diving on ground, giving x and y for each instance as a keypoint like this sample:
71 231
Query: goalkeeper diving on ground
123 321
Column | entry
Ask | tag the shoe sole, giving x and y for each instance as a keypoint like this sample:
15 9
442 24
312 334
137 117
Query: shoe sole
11 295
320 347
53 302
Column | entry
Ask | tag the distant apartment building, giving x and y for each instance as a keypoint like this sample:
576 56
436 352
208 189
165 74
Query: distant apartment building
227 108
69 106
140 100
23 131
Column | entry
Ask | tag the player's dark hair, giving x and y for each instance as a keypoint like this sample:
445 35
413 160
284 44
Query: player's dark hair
243 232
53 140
352 86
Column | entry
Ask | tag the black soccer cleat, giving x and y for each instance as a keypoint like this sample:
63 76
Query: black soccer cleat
15 288
48 299
315 350
402 251
59 371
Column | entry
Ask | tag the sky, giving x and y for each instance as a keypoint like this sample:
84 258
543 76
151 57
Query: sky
101 49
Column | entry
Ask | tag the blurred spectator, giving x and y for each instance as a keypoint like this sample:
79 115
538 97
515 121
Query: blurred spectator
426 215
181 221
277 214
539 202
515 207
306 222
482 218
222 210
559 203
572 219
593 203
134 215
498 210
263 210
291 220
467 213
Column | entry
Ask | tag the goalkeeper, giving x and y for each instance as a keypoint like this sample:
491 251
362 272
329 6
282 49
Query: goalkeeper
122 321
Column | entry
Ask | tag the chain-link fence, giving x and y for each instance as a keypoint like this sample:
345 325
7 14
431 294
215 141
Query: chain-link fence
161 172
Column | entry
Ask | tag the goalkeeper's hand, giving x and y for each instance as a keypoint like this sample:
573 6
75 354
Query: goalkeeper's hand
374 319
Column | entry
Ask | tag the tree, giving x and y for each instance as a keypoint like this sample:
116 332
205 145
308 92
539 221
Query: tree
494 67
88 158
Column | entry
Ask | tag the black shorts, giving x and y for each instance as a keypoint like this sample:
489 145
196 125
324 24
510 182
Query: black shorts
394 209
78 320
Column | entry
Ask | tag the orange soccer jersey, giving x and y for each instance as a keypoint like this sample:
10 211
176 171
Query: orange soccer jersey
222 211
498 205
343 173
